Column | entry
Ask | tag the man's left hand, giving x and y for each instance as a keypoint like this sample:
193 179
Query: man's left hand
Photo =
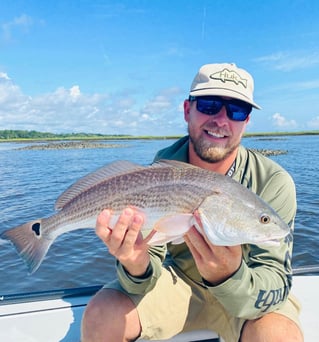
214 263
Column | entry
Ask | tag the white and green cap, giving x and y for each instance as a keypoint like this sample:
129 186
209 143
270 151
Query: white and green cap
224 80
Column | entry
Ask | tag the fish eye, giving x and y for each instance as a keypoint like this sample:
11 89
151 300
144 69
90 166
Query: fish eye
264 218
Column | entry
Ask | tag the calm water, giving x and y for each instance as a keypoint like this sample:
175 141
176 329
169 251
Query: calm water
31 180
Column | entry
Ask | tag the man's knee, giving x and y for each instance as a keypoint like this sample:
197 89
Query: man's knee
110 313
272 327
96 308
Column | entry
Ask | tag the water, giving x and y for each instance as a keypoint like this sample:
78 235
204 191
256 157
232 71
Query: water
31 180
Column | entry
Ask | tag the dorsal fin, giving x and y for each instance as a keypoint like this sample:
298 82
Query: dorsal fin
102 174
106 172
173 163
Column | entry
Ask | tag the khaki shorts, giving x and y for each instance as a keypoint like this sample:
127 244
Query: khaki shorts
177 304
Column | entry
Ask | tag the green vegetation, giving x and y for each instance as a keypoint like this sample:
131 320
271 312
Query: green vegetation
22 135
276 134
14 135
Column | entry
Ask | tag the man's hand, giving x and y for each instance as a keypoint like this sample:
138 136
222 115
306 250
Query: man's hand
125 241
214 263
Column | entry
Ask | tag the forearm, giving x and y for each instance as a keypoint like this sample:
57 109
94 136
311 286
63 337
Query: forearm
143 283
259 286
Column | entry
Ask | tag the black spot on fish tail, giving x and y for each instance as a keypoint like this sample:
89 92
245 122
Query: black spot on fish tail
36 228
29 242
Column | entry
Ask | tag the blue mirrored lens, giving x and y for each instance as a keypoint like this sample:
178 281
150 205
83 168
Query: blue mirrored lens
238 113
210 105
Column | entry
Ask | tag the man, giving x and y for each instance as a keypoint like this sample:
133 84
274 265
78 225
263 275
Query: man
241 292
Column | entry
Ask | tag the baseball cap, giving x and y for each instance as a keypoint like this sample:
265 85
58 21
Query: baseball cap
224 79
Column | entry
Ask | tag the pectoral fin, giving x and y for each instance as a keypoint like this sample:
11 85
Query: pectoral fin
174 225
171 229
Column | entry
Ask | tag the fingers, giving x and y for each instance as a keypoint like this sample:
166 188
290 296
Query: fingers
215 263
125 232
197 244
206 248
196 215
102 229
121 227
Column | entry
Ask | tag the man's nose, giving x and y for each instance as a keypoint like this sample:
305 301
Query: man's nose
221 116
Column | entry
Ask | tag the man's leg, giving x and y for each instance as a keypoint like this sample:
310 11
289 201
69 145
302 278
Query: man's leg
272 327
110 316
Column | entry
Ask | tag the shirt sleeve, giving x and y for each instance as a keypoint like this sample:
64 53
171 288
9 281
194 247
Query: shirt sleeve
143 284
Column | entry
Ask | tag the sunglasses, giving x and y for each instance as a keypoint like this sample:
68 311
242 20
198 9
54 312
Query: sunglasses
236 110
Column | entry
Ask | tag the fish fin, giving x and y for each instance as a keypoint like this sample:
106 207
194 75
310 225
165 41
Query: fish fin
178 240
107 172
158 239
174 225
29 242
161 239
173 163
171 229
94 178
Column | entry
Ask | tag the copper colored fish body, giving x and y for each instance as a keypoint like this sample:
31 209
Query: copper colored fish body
167 193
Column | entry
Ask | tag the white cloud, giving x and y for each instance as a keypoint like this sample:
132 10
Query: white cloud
281 122
71 110
157 105
4 76
10 94
19 24
75 92
313 123
288 61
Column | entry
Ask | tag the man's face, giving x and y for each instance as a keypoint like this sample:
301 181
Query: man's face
213 137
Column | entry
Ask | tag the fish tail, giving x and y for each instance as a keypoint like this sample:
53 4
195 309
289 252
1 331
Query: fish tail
29 242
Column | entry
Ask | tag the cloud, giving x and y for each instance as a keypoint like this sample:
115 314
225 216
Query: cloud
281 122
20 24
298 86
4 76
313 123
155 106
10 94
71 110
75 92
289 61
164 110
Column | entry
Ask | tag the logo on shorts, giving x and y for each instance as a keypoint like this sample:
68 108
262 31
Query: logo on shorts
229 76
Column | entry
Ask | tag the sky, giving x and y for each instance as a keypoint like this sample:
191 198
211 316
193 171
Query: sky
125 67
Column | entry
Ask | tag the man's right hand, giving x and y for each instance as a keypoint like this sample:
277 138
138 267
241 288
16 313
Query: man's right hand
124 241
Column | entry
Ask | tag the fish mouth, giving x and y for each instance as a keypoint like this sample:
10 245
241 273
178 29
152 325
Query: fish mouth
273 241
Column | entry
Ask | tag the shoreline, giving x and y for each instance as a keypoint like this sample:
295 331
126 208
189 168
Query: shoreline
93 137
67 145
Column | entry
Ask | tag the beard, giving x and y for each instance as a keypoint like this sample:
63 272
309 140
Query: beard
210 152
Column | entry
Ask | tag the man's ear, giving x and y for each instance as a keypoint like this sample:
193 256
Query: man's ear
187 106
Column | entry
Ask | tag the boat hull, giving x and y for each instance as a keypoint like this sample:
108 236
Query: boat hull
56 315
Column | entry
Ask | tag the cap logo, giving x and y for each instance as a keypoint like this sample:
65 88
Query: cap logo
229 75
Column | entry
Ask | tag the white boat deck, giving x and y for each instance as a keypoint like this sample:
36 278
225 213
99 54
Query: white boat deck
34 319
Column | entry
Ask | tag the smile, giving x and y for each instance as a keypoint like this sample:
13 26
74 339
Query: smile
215 135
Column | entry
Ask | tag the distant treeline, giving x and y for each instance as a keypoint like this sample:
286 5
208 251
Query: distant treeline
16 135
22 134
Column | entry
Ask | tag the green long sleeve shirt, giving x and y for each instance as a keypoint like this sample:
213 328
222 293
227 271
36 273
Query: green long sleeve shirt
263 281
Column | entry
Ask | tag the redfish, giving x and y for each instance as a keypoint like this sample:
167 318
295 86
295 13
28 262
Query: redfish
167 193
